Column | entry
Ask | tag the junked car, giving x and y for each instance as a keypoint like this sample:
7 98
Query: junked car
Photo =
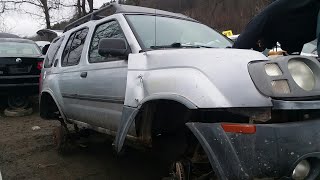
20 68
42 44
166 82
310 49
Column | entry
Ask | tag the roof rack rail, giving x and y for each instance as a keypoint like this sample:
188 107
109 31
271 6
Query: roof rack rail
108 10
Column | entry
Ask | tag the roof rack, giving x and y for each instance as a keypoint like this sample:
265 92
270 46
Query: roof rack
114 8
108 10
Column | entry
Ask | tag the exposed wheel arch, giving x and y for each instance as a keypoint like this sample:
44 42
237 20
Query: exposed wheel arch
48 105
171 144
161 116
147 126
168 97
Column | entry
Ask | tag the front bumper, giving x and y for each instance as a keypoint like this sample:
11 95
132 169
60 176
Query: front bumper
272 152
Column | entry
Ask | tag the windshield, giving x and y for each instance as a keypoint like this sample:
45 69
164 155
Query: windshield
9 49
310 48
170 32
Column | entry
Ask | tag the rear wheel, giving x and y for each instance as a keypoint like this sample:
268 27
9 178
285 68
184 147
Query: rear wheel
18 102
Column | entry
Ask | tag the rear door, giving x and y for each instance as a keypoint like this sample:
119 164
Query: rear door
103 81
69 73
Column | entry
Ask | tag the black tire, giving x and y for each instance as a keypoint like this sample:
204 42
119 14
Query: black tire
62 141
18 112
15 102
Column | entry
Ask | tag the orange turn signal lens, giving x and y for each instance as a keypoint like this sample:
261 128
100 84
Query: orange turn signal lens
239 128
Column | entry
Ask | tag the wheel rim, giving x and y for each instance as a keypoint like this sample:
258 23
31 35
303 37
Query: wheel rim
18 101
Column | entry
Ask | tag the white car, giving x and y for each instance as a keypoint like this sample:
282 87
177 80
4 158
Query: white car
310 49
41 44
234 37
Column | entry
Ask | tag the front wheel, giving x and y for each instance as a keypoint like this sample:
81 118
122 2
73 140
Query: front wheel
192 168
191 164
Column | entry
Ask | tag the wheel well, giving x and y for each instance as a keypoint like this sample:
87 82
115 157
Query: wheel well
48 107
161 126
161 123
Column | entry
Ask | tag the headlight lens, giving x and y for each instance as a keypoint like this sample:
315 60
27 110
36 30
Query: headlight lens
280 87
273 70
302 74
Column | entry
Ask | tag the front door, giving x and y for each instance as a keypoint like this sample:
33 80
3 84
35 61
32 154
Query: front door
103 82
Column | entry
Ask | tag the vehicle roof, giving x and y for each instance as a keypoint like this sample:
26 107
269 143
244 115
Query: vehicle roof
144 10
115 8
18 40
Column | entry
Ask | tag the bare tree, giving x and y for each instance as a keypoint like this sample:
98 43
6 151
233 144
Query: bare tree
220 14
45 7
3 27
84 11
90 3
81 6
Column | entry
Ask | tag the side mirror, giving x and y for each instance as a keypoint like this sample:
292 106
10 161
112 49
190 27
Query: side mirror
113 46
45 48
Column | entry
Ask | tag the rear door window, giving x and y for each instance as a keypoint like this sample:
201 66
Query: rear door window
72 53
52 52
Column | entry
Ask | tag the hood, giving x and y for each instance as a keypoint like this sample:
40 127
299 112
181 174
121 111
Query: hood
209 78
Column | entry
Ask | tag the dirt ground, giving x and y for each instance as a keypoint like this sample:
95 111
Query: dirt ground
29 154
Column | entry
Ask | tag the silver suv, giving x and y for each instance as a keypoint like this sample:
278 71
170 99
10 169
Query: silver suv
168 83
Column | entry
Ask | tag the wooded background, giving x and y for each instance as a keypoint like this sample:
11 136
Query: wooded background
219 14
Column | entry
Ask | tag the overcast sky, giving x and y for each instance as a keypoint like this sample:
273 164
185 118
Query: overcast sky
26 25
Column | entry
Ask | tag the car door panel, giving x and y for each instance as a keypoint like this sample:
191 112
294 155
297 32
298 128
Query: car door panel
69 75
101 92
101 97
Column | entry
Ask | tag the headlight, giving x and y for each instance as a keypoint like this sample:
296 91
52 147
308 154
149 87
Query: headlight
302 74
273 69
280 87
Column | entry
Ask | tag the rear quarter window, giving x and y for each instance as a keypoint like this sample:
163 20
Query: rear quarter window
52 52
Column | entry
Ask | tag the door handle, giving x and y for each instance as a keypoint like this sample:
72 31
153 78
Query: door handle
84 74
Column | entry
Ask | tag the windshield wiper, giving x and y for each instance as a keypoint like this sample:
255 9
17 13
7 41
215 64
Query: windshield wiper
179 45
